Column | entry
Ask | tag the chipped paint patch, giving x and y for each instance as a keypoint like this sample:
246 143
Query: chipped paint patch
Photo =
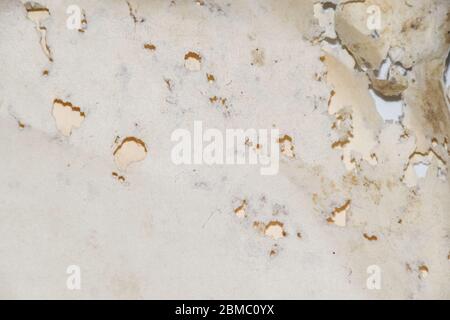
38 13
210 78
84 22
274 251
418 166
119 177
192 61
67 116
219 100
339 214
423 271
150 47
240 211
287 146
275 230
129 151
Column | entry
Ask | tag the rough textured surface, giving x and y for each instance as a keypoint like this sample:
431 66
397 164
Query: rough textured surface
86 117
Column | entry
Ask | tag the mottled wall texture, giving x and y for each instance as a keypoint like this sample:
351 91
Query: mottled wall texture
213 149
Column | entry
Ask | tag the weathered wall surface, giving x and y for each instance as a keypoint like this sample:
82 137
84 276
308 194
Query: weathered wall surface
88 178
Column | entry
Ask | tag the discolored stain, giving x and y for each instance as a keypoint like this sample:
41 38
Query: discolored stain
210 77
258 57
370 238
150 46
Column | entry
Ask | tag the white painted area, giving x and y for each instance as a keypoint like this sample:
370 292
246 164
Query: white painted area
383 73
421 169
388 110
